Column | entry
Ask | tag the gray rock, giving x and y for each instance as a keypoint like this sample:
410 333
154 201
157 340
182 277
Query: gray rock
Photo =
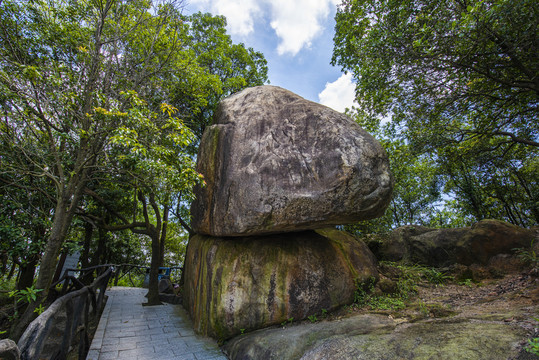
9 350
165 286
443 247
436 340
275 162
253 282
375 337
293 340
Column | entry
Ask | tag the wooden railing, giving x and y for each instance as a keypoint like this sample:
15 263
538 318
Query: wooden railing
51 335
126 269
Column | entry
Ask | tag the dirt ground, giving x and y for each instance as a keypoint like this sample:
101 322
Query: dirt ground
512 298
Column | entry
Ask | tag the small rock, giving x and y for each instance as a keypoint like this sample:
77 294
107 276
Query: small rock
9 350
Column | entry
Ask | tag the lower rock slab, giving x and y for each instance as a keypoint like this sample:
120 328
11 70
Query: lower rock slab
377 337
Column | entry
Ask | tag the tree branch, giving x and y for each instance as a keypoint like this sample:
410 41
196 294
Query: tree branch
516 138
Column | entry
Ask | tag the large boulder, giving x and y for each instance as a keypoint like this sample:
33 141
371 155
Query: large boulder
377 337
275 162
246 283
477 244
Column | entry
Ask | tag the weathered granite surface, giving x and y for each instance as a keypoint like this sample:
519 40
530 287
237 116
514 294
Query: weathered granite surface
275 162
246 283
476 244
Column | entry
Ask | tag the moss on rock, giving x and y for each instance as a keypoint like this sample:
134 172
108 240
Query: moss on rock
250 283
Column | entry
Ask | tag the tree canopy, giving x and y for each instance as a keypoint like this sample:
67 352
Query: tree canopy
461 78
102 95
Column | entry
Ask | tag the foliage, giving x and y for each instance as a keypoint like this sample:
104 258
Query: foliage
528 255
458 80
288 321
533 346
176 245
98 92
436 277
466 282
24 223
417 273
64 68
364 296
26 295
227 67
409 277
39 310
134 280
151 151
450 64
124 247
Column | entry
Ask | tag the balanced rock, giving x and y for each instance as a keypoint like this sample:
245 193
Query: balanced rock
275 162
246 283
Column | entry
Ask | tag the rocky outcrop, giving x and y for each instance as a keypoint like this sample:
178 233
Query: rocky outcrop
278 169
275 162
246 283
9 350
294 340
477 244
377 337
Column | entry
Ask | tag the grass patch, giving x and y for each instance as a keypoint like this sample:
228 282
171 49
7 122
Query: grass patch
365 296
407 278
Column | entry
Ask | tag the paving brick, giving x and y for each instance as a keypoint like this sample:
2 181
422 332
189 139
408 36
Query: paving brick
185 357
167 335
111 355
93 355
128 330
109 341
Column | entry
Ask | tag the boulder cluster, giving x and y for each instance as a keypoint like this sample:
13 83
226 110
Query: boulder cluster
478 251
279 170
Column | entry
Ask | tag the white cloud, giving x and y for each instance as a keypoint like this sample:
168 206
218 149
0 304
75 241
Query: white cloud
298 22
240 14
295 22
339 94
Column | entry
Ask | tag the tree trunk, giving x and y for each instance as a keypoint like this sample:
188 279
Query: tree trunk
88 232
60 224
26 274
153 286
12 270
99 255
46 273
163 236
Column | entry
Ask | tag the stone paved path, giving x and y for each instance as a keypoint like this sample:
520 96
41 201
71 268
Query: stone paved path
128 330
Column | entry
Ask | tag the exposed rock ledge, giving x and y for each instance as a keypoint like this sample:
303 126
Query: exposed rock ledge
488 321
377 337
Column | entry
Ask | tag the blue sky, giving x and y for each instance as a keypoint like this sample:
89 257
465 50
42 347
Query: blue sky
295 36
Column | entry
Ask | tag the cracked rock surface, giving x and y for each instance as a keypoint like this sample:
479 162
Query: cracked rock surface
275 162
